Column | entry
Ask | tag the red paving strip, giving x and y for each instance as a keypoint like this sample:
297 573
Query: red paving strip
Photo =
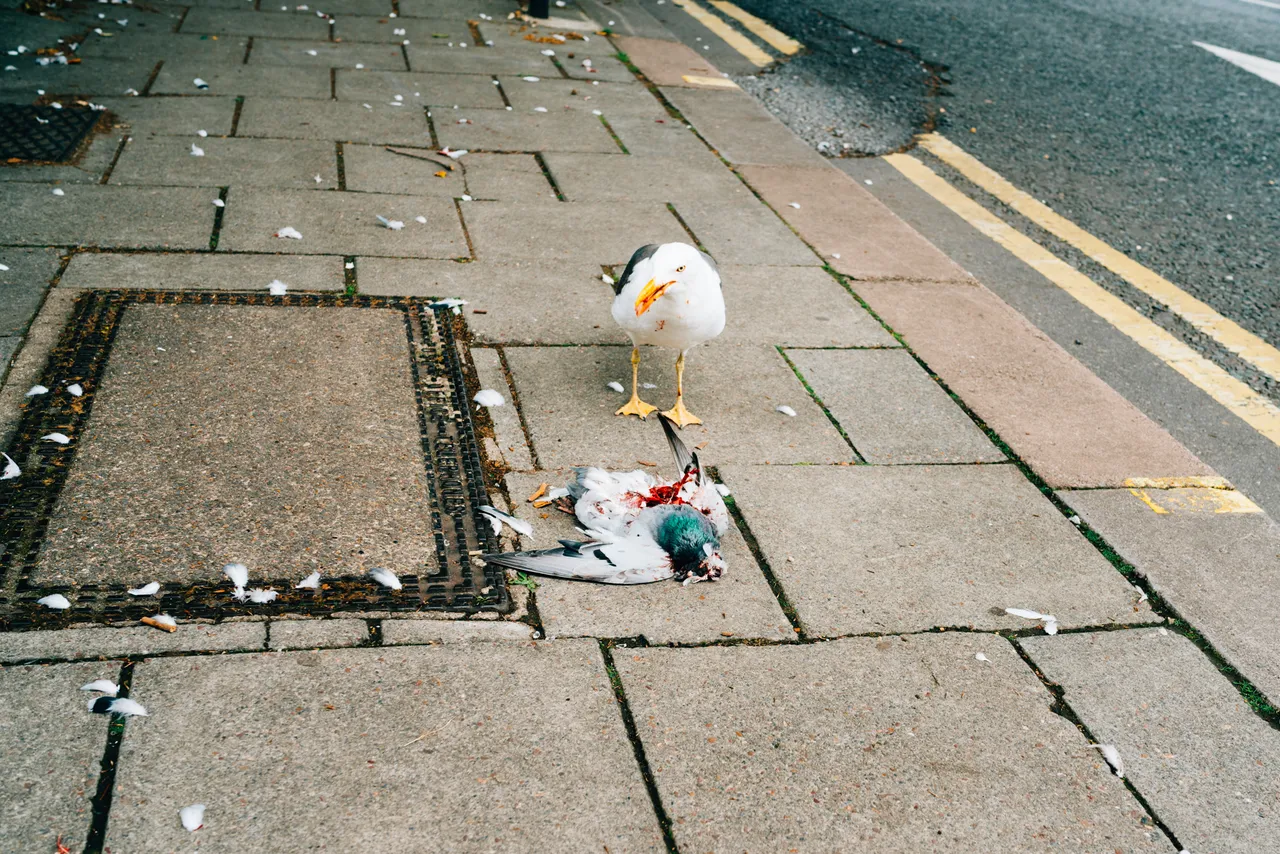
666 63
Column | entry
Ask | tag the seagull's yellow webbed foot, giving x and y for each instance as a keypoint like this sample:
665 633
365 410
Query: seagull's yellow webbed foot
636 406
681 416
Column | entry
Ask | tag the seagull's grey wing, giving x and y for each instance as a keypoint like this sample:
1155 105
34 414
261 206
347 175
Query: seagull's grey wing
631 560
684 457
643 253
711 261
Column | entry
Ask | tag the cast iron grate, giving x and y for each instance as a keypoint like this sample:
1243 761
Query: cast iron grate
43 134
455 476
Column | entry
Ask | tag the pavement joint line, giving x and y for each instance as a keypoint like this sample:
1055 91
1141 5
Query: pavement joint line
100 803
612 133
637 746
1246 345
333 84
727 33
1063 709
235 115
551 178
350 275
431 127
1234 395
821 405
115 158
248 47
266 636
341 166
687 230
404 55
776 39
466 233
502 92
217 219
151 79
515 401
373 627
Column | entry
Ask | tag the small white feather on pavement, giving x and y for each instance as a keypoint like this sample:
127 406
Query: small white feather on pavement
58 191
786 410
192 817
56 601
981 657
795 205
1112 756
393 224
149 589
1050 621
556 492
617 386
449 302
489 397
385 577
202 133
261 595
200 83
128 708
452 154
102 686
498 519
606 278
196 151
421 219
531 79
1074 520
290 232
238 573
36 390
277 288
165 620
219 203
548 52
60 438
311 582
11 469
75 389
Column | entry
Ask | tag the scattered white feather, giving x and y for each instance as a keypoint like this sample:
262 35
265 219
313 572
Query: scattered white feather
421 219
531 79
786 410
498 519
149 589
238 573
289 231
60 438
617 386
648 385
262 596
1112 756
449 302
488 397
127 707
606 278
193 816
548 52
465 197
981 657
200 84
202 133
556 492
75 389
35 390
319 180
277 288
165 620
835 255
393 224
1074 520
451 154
4 267
385 577
311 582
1142 594
312 53
102 686
795 205
1050 621
56 601
11 469
539 109
723 490
219 203
58 191
597 113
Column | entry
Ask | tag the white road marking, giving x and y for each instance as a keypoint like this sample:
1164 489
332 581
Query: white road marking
1267 3
1264 68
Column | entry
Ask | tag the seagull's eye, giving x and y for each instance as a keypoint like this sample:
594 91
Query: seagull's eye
680 269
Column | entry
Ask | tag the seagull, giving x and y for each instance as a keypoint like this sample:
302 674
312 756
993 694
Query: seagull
668 296
639 529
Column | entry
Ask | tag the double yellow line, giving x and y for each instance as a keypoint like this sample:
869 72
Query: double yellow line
776 39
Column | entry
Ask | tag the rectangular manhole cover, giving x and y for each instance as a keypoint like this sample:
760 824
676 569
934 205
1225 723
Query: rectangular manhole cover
43 134
291 434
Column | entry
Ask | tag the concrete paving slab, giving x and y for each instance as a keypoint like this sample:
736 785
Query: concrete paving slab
202 272
153 47
909 548
658 136
669 63
740 605
335 120
8 346
741 129
500 130
608 177
374 169
418 31
104 216
29 363
326 54
795 307
310 634
23 284
377 8
16 647
734 389
240 22
400 632
615 100
346 480
251 81
745 234
509 441
1218 567
1207 765
603 65
52 751
168 161
1071 428
476 61
456 8
871 744
417 87
838 217
341 224
500 232
459 747
891 409
103 77
507 177
177 116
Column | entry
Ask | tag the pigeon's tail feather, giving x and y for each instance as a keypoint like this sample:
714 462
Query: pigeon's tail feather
634 560
684 457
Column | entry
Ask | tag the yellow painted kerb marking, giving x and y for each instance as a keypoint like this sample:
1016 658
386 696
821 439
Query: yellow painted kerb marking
1189 482
1228 333
732 37
1184 501
1246 404
709 82
1146 499
779 41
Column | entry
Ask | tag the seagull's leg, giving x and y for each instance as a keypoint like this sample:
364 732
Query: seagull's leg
678 413
635 406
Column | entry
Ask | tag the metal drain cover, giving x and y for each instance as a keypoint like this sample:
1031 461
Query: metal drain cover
291 434
43 134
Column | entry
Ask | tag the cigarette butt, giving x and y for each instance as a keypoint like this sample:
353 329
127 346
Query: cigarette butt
151 621
538 493
701 445
646 462
542 503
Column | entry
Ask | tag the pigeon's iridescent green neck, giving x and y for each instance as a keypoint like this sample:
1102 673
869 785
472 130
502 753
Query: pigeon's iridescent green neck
683 533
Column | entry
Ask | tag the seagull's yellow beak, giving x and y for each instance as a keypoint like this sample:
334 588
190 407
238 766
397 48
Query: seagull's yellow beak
649 295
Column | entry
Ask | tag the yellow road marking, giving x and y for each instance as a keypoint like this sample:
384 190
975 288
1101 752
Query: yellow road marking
709 82
1180 500
1246 404
776 39
732 37
1228 333
1188 482
1146 499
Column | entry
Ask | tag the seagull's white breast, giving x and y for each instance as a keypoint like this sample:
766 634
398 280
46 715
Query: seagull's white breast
686 315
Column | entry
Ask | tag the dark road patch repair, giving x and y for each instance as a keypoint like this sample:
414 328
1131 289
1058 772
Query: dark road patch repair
44 134
292 434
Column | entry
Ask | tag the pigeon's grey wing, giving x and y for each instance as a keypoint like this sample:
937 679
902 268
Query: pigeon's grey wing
643 253
684 457
633 560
